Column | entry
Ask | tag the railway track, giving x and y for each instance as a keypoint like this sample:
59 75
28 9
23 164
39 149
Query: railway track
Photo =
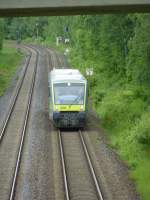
75 188
75 158
51 59
14 98
14 128
60 61
55 60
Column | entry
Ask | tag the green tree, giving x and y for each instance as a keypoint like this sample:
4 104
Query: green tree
115 31
138 63
24 27
1 33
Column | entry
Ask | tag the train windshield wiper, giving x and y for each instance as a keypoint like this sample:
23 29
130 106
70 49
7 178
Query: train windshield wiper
75 100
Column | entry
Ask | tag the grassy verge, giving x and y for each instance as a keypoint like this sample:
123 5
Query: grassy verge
126 117
9 61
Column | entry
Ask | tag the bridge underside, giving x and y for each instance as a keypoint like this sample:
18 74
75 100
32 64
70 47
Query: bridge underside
70 7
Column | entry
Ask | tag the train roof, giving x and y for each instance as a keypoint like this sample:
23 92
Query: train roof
61 75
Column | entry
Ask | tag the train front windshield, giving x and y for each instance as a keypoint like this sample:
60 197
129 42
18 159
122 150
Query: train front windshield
69 93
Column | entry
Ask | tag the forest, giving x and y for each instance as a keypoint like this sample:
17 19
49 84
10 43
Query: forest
117 47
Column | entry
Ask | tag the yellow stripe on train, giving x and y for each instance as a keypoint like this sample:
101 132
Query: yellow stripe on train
69 108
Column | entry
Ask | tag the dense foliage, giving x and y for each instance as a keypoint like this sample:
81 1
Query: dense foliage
9 61
1 33
118 48
23 28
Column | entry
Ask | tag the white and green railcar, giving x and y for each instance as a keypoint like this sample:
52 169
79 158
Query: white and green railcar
67 98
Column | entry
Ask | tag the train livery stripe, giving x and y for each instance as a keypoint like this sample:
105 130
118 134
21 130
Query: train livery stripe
69 108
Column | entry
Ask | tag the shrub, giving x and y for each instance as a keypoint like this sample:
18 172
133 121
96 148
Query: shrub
142 129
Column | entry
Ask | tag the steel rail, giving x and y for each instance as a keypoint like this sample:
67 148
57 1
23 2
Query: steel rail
63 166
17 166
92 171
58 59
99 193
51 62
55 60
50 58
13 102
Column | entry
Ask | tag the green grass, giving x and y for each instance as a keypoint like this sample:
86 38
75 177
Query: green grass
126 117
9 61
141 175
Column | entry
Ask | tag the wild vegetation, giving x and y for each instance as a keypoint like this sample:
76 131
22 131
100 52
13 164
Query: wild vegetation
9 61
25 28
1 34
118 49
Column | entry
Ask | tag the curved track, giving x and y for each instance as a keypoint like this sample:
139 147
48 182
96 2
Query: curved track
23 132
55 60
14 98
14 128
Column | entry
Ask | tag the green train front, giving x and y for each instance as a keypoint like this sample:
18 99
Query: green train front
68 101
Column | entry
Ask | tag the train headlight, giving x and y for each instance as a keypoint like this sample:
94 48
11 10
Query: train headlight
81 108
56 108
